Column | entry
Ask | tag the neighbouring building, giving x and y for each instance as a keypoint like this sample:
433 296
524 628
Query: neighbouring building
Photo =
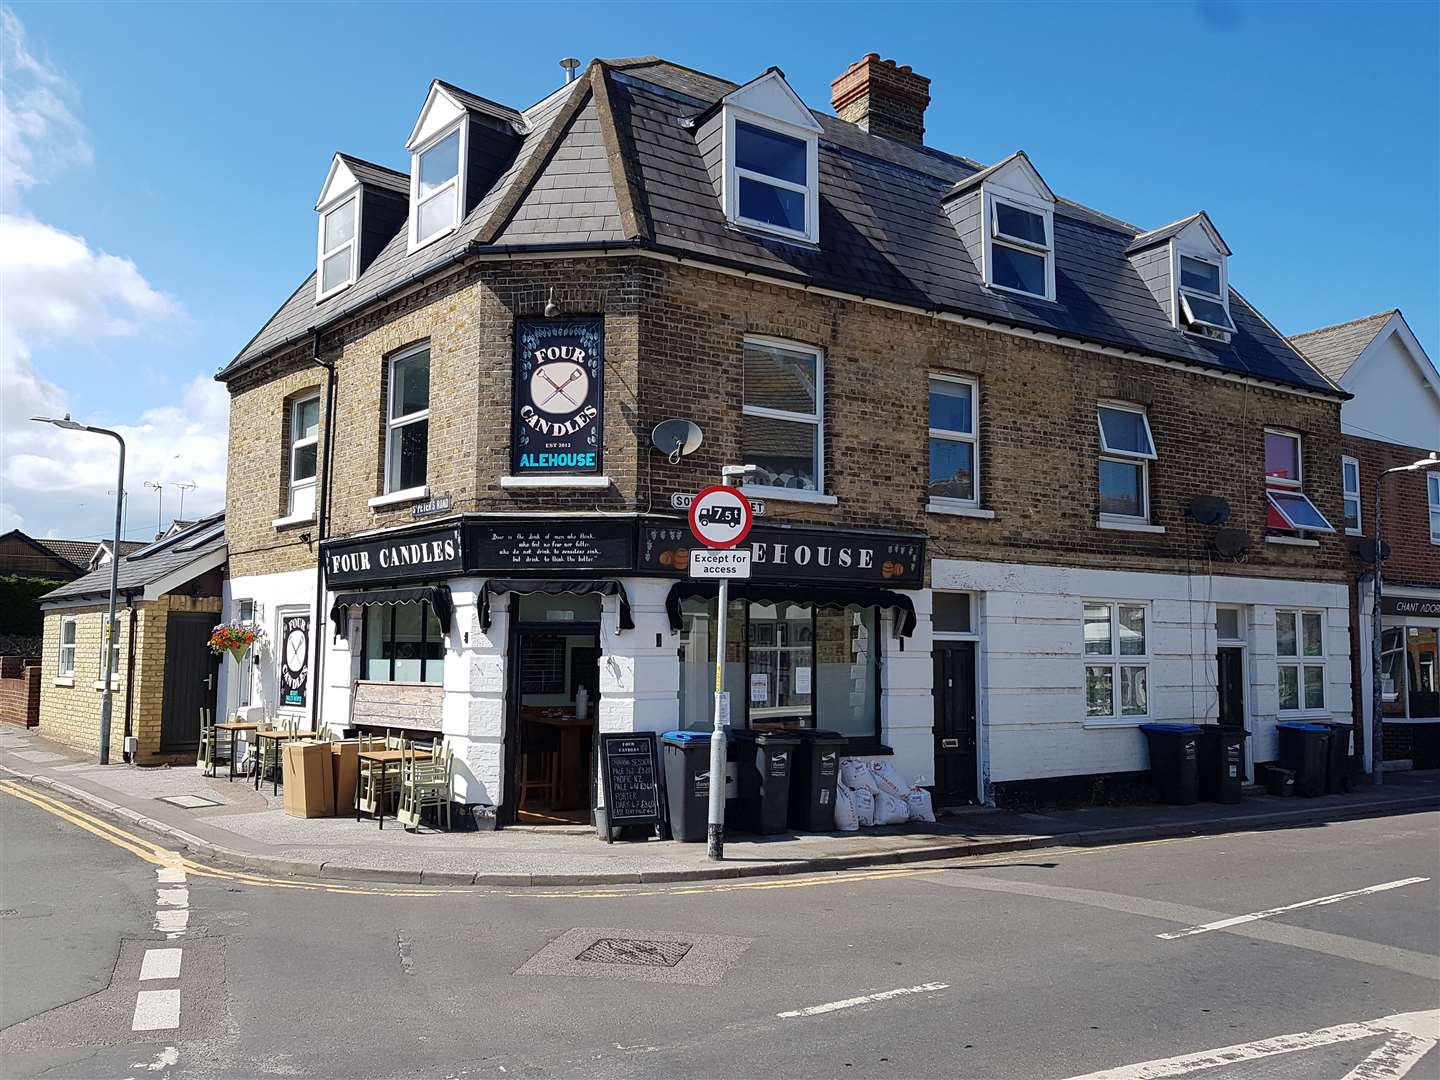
163 673
1393 420
1031 476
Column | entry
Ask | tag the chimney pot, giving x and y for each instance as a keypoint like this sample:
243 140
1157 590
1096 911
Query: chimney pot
883 99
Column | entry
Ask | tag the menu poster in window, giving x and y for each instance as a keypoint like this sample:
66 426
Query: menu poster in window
294 660
802 680
759 687
630 777
558 396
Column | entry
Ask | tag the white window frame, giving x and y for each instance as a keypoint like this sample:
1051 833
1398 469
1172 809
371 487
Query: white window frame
115 641
393 424
64 669
1127 457
1299 661
1115 660
973 634
810 189
321 254
973 438
817 419
991 228
299 444
244 670
415 243
1432 483
1352 494
1184 319
1297 484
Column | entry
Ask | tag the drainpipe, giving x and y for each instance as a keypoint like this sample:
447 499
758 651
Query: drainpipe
129 671
322 516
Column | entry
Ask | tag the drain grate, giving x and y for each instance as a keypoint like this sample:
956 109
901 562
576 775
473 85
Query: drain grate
636 952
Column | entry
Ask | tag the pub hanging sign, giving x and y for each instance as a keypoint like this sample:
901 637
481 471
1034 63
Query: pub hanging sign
557 426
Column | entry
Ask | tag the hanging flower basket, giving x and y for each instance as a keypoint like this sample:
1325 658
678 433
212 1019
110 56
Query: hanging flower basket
237 639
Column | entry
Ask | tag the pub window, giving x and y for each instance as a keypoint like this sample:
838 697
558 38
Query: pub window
304 442
407 435
65 667
1117 669
1300 660
788 665
954 406
782 430
404 643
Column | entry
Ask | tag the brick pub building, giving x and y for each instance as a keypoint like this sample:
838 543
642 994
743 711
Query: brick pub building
1031 476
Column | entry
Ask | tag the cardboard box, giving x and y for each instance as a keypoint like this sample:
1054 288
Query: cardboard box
309 779
345 767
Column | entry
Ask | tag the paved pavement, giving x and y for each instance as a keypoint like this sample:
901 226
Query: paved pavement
242 827
1200 957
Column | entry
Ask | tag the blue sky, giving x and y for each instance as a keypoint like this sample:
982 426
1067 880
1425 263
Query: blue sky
162 163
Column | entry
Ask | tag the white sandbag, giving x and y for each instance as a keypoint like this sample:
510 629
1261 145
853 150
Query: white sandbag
845 819
864 803
891 810
888 779
921 808
855 774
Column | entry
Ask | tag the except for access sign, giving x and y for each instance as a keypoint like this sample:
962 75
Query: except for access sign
720 517
720 563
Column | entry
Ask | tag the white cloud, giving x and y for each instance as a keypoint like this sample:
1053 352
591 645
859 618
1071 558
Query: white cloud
57 290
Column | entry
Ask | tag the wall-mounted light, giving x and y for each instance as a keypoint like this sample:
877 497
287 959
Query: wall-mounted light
551 307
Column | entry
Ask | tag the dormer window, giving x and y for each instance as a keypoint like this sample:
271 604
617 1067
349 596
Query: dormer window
1202 294
771 148
338 247
435 194
772 179
1021 248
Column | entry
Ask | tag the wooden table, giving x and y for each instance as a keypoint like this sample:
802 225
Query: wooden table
278 737
384 759
573 764
235 727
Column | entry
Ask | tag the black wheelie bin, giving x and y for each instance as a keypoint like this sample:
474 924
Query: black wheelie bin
1174 761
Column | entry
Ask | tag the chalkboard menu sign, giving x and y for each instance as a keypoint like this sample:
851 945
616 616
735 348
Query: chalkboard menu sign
549 546
630 775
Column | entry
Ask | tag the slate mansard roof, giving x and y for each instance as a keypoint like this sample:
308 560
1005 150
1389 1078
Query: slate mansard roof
612 161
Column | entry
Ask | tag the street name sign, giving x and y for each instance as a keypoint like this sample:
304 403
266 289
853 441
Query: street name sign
722 563
680 500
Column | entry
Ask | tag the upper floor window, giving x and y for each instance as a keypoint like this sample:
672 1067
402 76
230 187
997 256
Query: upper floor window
1350 482
1288 508
1300 660
1433 479
1117 668
1021 253
435 195
782 430
1203 301
65 664
407 427
954 461
304 444
338 246
1126 450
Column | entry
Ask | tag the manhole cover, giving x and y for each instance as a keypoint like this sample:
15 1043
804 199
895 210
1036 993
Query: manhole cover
189 802
636 952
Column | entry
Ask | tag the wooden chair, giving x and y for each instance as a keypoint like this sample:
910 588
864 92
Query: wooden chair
424 781
367 790
540 765
205 758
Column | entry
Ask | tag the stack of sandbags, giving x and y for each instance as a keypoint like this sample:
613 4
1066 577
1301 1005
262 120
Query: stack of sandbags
874 793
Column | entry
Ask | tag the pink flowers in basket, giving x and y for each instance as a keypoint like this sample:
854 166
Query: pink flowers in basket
236 638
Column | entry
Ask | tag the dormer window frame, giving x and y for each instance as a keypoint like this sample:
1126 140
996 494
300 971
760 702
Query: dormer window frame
734 173
994 235
322 253
461 126
1185 314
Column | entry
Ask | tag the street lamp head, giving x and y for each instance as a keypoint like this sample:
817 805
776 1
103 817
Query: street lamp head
64 422
1415 466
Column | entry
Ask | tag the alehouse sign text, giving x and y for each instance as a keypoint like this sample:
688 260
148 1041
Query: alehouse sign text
558 396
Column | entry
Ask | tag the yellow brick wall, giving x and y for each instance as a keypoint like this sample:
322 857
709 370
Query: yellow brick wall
70 709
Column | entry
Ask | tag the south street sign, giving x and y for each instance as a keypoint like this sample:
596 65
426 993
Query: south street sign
558 397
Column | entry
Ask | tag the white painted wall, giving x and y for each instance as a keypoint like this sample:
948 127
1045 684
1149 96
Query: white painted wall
1393 400
1031 663
271 593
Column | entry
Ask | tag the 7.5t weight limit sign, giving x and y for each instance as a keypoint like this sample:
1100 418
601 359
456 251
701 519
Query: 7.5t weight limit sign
720 517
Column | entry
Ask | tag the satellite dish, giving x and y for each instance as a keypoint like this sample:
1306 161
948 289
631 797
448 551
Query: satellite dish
1363 550
1209 509
1232 543
677 438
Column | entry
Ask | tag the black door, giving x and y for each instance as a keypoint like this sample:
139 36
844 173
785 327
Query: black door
955 721
190 670
1230 663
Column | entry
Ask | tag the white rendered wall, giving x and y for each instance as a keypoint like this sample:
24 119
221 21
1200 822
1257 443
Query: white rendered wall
907 708
270 592
1031 665
1393 401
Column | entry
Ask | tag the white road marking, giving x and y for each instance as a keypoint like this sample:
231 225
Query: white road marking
160 964
156 1010
172 921
1239 920
163 1060
850 1003
177 898
1412 1031
170 875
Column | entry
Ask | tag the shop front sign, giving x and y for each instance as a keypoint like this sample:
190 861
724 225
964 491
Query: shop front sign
1424 607
558 397
549 546
398 556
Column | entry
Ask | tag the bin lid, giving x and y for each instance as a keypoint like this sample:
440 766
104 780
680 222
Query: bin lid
685 738
1182 729
816 735
1302 725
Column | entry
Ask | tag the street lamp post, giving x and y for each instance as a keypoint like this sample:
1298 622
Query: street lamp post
107 639
1377 719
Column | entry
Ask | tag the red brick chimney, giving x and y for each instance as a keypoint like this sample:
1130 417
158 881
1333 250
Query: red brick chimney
882 99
